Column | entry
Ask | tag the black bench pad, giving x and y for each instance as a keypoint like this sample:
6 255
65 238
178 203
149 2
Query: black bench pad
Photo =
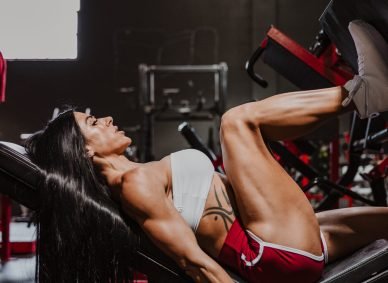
364 264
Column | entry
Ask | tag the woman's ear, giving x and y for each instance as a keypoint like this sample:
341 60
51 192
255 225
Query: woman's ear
89 152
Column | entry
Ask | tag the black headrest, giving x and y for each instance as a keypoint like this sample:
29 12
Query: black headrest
15 164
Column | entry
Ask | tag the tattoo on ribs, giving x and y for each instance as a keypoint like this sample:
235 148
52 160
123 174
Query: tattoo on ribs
224 213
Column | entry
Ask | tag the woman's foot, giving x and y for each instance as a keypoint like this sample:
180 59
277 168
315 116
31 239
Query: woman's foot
369 89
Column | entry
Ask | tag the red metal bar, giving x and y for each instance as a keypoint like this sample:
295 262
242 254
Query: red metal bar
3 74
23 247
6 211
326 65
139 278
379 171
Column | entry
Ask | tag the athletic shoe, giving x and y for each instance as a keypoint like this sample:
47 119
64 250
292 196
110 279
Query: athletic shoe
368 89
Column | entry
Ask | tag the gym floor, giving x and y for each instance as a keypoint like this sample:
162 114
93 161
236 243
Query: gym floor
20 268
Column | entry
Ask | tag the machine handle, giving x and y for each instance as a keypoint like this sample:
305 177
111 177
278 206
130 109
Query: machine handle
371 140
249 65
196 142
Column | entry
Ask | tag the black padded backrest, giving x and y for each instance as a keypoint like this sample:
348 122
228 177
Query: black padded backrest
18 175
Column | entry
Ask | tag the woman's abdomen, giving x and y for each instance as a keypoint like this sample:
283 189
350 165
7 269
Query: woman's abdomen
217 218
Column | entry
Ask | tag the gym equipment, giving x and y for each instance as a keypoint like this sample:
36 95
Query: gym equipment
19 176
167 111
312 72
369 264
6 209
338 14
334 21
195 141
332 58
322 67
3 74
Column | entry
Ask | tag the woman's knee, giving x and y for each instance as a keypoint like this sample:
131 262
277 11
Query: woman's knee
236 117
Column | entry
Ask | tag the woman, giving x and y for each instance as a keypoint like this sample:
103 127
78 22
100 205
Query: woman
255 220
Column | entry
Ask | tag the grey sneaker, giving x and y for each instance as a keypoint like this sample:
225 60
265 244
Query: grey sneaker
368 89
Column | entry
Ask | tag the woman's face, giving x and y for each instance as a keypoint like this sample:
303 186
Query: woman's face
102 137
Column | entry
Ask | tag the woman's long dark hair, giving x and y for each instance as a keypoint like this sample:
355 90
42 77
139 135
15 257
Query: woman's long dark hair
82 236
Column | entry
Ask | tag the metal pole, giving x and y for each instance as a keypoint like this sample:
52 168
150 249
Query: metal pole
6 210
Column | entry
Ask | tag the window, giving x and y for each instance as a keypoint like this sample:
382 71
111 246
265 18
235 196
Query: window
39 29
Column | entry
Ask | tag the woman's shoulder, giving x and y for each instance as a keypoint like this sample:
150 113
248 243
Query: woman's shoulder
137 192
134 177
142 189
154 168
148 176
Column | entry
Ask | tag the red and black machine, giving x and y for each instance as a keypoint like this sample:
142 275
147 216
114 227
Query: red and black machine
3 75
330 61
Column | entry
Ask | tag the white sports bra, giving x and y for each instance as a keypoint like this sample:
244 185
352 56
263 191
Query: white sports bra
192 174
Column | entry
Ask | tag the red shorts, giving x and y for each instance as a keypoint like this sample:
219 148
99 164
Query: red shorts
258 261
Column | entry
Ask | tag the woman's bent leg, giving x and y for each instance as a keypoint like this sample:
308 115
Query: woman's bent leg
349 229
295 114
270 203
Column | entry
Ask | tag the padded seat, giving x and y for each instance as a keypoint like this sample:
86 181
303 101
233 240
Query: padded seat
18 179
369 264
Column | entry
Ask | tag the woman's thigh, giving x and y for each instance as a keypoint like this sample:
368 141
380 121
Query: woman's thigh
270 203
349 229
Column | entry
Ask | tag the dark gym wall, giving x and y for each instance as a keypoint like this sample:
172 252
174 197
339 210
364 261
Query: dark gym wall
34 88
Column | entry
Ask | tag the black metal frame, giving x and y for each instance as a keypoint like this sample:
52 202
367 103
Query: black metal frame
147 75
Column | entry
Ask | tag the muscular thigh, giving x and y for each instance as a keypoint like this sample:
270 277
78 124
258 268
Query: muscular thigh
349 229
270 203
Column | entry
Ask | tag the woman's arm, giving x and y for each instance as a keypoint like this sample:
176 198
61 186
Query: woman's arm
162 223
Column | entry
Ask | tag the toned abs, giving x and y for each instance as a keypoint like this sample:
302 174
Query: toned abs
218 214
